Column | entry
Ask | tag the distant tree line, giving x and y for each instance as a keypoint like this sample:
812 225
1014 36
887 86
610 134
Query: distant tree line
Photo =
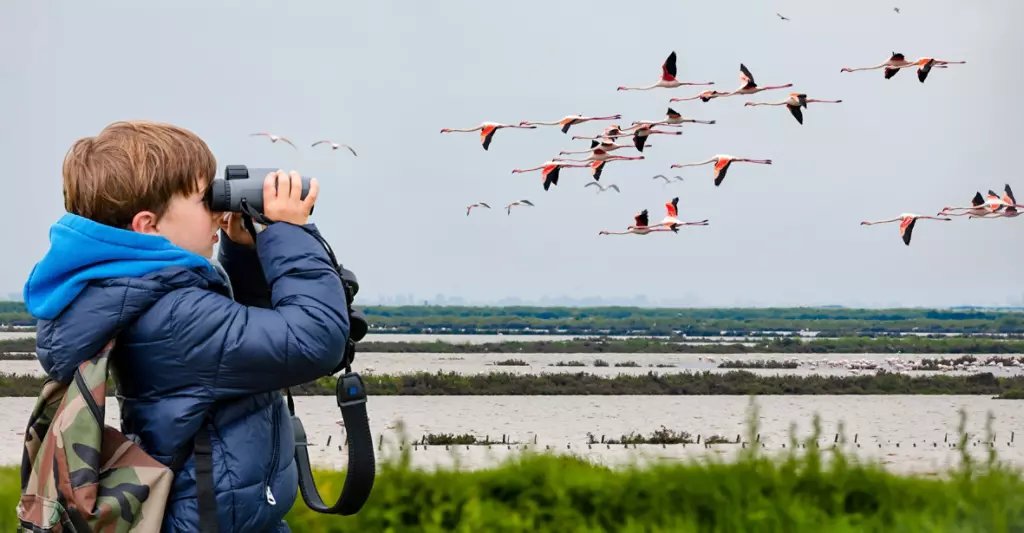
829 321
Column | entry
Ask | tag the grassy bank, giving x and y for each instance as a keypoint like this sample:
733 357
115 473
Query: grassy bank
582 383
847 345
814 490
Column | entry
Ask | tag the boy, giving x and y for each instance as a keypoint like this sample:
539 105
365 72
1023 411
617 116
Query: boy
131 258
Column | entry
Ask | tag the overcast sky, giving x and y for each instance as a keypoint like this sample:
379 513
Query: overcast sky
386 76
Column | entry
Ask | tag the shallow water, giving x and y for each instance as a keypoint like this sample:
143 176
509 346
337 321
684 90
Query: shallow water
539 363
558 422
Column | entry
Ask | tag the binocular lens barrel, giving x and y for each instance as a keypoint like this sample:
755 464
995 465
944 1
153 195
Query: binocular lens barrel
242 183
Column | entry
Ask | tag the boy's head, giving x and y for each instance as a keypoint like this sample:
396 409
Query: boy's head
145 177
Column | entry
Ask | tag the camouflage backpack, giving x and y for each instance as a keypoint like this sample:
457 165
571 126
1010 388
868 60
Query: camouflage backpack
80 475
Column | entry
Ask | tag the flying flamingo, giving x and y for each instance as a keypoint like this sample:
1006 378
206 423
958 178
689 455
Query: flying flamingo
996 202
794 103
487 130
596 155
640 227
549 171
978 208
508 208
610 132
925 65
273 138
602 188
334 145
605 145
705 96
892 65
672 216
597 167
643 131
907 222
722 163
667 181
672 118
569 121
481 204
750 86
668 78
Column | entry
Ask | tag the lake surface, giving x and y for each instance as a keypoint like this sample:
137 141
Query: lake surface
918 424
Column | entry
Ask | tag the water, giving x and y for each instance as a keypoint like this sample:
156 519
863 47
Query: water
538 363
558 422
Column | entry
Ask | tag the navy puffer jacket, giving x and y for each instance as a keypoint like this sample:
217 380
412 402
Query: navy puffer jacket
186 347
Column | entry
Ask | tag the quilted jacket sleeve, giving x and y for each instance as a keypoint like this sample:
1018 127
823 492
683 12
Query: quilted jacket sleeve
239 350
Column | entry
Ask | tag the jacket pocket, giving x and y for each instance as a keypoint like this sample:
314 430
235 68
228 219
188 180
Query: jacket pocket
275 436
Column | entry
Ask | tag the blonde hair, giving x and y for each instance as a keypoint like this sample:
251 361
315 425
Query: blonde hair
134 166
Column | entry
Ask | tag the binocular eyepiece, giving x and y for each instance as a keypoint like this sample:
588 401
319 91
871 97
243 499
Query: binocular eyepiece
241 190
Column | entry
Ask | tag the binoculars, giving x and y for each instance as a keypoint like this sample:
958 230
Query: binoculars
241 190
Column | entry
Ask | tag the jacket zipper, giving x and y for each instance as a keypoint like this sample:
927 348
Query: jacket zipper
275 434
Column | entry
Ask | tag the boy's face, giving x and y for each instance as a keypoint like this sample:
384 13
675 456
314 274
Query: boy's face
187 222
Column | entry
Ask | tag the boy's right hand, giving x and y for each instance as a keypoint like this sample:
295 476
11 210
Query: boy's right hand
283 203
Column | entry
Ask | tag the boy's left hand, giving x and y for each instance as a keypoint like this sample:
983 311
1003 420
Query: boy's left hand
231 224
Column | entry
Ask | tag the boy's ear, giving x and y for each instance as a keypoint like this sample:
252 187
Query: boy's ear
145 222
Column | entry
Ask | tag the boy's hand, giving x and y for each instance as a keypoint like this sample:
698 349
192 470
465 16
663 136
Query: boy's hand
231 224
283 203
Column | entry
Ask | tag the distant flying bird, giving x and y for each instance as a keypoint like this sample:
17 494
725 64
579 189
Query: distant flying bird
602 188
481 204
907 222
781 17
722 163
896 9
667 181
508 207
487 130
569 121
640 227
335 146
668 78
794 103
273 138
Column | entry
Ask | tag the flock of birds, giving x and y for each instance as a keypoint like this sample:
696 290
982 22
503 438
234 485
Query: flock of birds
992 205
602 145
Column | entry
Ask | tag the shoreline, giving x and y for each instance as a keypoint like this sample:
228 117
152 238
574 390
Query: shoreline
15 349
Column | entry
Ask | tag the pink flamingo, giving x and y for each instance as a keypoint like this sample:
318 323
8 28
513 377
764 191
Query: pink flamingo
672 118
569 121
672 215
749 86
597 167
794 103
705 97
722 163
549 171
640 227
668 78
907 222
604 145
892 65
487 131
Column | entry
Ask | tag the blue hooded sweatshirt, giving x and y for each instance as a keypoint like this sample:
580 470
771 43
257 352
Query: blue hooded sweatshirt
186 348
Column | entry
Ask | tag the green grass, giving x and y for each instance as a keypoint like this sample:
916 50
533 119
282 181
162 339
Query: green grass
807 491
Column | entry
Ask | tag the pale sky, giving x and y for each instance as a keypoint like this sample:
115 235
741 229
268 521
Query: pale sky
386 76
